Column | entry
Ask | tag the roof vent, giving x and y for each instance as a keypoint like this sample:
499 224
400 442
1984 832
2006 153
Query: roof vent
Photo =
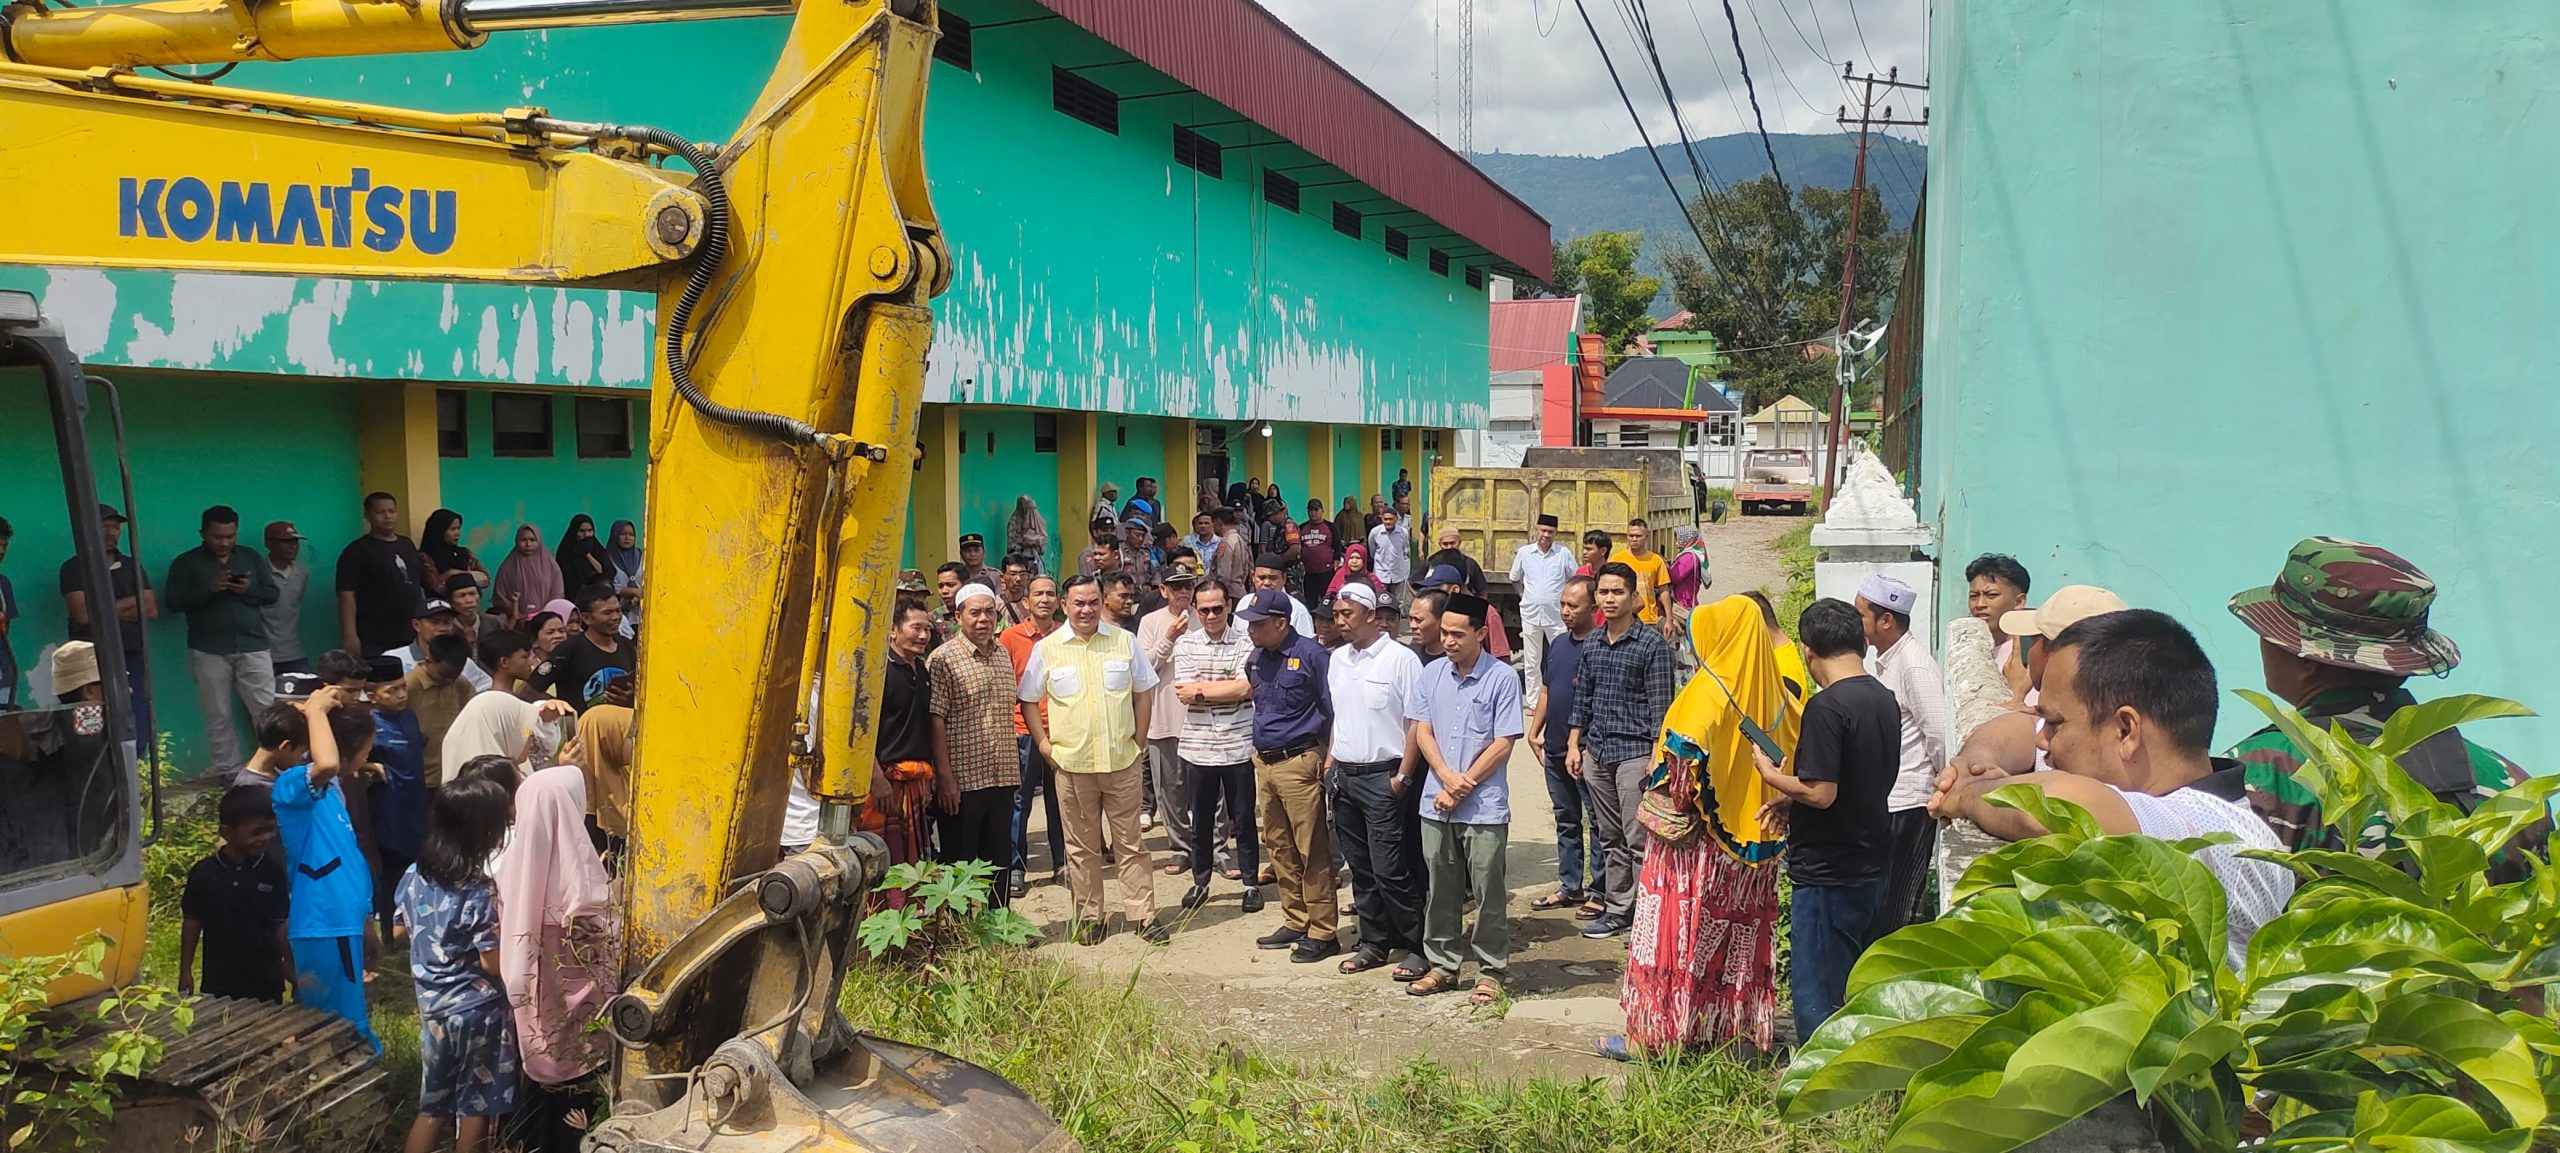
1397 244
1280 190
953 47
1084 100
1198 153
1346 220
1439 262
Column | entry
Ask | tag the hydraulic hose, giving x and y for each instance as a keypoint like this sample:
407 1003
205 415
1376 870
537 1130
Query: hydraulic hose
678 322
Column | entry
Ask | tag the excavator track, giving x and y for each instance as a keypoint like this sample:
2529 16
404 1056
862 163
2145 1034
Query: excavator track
250 1075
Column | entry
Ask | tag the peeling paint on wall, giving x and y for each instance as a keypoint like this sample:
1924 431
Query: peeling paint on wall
1092 272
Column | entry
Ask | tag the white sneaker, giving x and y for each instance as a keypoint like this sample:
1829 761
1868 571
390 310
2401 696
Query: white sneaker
1146 821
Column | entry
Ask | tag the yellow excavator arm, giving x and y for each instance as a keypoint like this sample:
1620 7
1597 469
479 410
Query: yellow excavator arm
793 265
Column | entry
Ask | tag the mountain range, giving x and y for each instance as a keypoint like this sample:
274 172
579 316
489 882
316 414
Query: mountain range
1580 194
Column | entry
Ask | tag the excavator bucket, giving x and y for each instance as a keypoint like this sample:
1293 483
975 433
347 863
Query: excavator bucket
875 1094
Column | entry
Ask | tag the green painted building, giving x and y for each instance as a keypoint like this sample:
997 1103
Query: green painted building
1210 254
2201 280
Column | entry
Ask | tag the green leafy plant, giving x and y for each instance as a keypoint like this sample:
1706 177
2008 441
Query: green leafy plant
943 905
2396 1004
61 1072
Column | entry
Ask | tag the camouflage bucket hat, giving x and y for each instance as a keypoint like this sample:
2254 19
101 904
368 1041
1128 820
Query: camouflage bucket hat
912 581
2344 602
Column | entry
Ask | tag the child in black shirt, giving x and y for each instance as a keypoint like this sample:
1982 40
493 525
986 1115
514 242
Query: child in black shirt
234 906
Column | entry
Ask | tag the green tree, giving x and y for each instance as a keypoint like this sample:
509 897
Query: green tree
1602 266
1774 280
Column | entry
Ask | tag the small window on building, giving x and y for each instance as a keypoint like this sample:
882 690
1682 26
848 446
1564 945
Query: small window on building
1634 436
1198 153
1397 244
953 47
1430 440
1044 432
1346 220
1084 100
453 422
1439 262
604 427
1391 440
520 423
964 442
1120 433
991 443
1475 276
1280 190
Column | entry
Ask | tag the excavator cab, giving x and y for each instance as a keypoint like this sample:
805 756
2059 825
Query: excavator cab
71 826
72 834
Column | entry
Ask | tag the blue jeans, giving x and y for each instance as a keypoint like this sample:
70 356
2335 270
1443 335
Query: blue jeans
1035 781
1578 858
1828 930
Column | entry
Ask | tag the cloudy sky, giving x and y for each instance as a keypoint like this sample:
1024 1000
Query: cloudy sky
1540 85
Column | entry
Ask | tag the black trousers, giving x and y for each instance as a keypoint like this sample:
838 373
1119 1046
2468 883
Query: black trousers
1913 857
386 885
1379 835
982 831
1235 783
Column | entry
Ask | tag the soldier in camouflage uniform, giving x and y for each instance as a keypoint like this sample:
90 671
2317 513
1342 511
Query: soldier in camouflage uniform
2340 631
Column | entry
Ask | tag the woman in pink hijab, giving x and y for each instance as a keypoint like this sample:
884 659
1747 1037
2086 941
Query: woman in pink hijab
559 954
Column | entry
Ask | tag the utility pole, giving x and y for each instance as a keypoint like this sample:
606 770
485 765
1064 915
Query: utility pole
1836 438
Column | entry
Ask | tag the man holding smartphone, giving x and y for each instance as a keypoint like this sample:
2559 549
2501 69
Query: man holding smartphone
223 590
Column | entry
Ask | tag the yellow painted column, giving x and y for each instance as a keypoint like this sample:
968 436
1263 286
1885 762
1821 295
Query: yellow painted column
1320 438
1372 462
1180 485
1079 465
1257 458
396 448
937 488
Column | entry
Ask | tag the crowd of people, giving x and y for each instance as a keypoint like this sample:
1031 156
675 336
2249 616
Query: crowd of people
453 776
1299 704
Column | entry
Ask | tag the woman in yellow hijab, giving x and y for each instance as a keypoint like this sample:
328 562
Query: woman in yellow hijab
1700 964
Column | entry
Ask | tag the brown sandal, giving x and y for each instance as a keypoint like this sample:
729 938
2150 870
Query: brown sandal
1486 992
1432 982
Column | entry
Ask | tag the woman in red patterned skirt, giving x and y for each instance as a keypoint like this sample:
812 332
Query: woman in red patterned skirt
1700 961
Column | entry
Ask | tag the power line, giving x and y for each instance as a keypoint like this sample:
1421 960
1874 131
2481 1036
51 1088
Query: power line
1706 251
1772 46
1756 118
1724 83
1823 54
1852 5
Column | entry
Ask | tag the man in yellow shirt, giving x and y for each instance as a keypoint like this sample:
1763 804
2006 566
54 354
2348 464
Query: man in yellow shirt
1653 575
1095 683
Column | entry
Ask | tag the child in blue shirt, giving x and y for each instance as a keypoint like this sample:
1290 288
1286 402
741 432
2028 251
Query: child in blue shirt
466 1031
399 799
329 926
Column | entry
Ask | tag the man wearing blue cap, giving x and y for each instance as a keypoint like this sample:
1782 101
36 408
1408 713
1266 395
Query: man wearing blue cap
1291 715
1905 666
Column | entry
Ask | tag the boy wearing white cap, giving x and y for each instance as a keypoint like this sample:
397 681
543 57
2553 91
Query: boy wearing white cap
1905 666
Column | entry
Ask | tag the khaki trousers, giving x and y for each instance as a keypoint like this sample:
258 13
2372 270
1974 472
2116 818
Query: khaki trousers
1088 803
1290 795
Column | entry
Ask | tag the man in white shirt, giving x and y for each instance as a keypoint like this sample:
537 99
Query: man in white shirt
1539 571
1904 665
1216 742
2127 703
1391 558
1370 678
1157 632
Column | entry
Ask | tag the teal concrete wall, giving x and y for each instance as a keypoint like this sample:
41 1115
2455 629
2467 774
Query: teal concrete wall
990 483
2205 279
1143 455
495 493
1289 465
193 442
1092 273
1346 466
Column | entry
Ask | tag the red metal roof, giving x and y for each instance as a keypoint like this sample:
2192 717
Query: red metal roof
1243 57
1529 335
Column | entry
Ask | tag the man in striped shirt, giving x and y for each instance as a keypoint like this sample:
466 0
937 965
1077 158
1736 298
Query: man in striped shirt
1216 744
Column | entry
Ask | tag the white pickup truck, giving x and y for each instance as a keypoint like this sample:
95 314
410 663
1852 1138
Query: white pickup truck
1773 477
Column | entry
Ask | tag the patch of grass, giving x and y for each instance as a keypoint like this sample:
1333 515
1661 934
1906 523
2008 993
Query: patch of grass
1796 550
1108 1064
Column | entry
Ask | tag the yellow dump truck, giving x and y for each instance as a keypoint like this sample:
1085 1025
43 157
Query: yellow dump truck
1495 510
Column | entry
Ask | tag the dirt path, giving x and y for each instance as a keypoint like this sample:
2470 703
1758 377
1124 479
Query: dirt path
1564 988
